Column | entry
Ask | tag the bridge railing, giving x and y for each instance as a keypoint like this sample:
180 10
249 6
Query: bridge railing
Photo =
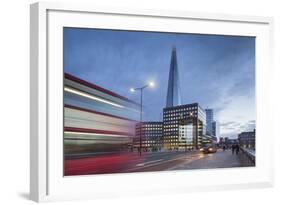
248 157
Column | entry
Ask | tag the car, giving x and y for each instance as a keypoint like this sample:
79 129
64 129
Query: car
209 149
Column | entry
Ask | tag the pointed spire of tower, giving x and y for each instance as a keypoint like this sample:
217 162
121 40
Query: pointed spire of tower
173 93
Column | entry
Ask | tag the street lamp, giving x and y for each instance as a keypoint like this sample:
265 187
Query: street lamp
151 85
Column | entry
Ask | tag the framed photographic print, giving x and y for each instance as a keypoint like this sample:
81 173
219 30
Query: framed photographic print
127 102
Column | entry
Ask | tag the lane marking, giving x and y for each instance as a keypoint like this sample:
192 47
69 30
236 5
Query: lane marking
178 157
188 161
150 162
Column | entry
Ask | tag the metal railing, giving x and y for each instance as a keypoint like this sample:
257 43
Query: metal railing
248 157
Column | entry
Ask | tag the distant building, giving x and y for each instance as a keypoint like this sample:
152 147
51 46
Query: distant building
247 139
215 129
232 141
183 126
226 141
209 121
152 135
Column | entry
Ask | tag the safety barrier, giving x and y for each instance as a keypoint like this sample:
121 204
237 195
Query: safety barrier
248 157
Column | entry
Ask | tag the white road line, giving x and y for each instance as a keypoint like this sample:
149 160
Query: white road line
150 162
155 163
192 159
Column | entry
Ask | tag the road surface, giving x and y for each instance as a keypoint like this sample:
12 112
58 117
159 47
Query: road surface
149 161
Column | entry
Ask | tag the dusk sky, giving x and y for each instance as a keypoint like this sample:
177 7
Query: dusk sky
218 72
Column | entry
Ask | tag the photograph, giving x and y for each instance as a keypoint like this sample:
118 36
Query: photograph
147 101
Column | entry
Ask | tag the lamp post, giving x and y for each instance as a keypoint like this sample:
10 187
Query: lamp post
151 84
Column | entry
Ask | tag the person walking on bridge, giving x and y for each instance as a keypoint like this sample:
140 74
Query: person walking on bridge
233 148
237 149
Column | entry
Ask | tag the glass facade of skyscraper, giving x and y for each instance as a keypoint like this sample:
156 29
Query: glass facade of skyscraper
209 121
174 91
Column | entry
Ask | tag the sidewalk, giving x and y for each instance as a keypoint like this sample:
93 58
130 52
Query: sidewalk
220 159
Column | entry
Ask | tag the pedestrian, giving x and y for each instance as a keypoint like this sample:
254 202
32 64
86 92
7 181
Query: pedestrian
233 148
223 147
237 149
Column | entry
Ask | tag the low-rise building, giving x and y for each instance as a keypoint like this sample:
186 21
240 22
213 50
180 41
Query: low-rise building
247 139
151 136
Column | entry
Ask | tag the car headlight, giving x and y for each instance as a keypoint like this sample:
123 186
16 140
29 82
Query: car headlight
201 149
210 149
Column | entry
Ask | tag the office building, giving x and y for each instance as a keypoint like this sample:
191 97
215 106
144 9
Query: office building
183 126
152 136
215 129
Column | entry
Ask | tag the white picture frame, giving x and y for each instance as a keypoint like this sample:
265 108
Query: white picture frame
46 179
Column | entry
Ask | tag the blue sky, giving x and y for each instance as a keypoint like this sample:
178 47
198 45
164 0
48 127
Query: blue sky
216 71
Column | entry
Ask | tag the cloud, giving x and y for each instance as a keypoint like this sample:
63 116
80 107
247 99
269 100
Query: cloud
230 135
249 126
232 127
228 123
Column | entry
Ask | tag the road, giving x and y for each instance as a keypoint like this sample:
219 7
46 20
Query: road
149 161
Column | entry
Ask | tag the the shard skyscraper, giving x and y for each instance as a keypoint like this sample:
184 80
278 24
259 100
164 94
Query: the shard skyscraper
173 93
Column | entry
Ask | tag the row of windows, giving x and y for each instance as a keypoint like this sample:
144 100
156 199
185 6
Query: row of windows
151 135
178 141
149 131
153 128
149 141
172 129
177 118
150 125
170 141
176 127
179 113
171 136
170 123
180 109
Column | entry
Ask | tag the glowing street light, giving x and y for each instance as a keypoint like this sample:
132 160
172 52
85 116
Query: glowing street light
151 85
